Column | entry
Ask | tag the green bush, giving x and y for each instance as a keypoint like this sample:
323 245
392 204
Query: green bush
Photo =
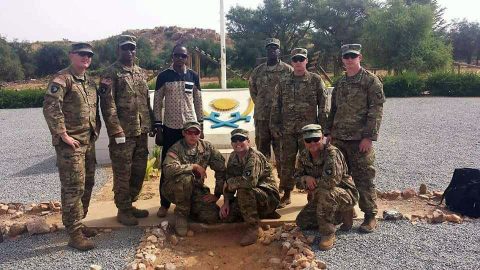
30 98
404 85
232 83
453 85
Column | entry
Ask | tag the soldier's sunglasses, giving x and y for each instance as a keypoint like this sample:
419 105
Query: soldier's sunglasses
310 140
192 132
180 55
236 139
298 59
83 54
128 47
350 56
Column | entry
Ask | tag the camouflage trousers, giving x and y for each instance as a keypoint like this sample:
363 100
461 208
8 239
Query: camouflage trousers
290 145
76 168
187 196
250 205
362 169
263 140
129 162
321 212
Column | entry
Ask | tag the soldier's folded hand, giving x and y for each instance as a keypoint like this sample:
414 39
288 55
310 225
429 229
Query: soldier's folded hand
69 140
276 133
209 198
225 209
311 182
199 170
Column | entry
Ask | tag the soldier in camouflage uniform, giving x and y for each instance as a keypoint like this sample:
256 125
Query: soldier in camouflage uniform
71 112
263 81
125 104
322 169
249 174
353 123
184 168
299 99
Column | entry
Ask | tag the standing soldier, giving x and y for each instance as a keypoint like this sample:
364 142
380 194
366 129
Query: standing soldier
185 171
299 99
262 84
179 86
354 122
71 112
322 169
249 174
125 104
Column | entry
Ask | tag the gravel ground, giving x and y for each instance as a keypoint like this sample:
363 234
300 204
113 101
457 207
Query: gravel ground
114 250
27 158
402 245
422 140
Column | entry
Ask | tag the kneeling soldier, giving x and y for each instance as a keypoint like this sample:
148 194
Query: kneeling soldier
184 168
249 175
322 169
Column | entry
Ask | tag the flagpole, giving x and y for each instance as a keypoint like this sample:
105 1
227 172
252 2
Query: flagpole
223 53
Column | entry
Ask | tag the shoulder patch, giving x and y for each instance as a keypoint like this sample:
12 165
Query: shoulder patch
54 88
172 155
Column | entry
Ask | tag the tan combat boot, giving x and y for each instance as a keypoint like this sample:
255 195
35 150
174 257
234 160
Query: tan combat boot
126 217
347 219
162 212
181 225
139 213
326 242
251 236
79 241
89 232
285 200
369 224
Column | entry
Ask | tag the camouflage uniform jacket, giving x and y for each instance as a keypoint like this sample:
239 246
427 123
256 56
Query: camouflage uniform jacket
251 172
298 102
262 83
71 105
180 159
126 104
357 107
330 170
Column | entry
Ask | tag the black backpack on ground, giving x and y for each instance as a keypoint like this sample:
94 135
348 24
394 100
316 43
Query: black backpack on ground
463 193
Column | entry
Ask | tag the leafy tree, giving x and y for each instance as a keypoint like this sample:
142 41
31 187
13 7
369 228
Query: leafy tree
465 37
288 20
400 37
26 55
51 58
338 22
10 67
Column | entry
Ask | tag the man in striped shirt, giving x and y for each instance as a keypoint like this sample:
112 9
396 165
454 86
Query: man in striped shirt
178 88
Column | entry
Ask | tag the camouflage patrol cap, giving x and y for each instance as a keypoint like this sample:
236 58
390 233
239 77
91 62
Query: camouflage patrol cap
127 39
299 52
239 132
192 124
275 41
312 131
81 47
351 48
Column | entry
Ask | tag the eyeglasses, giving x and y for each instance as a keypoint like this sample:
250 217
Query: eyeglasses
83 54
180 55
192 132
310 140
298 59
350 56
236 139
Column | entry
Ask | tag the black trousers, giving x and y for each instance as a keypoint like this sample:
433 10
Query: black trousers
170 137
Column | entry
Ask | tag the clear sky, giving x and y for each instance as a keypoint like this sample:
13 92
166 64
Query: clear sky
88 20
